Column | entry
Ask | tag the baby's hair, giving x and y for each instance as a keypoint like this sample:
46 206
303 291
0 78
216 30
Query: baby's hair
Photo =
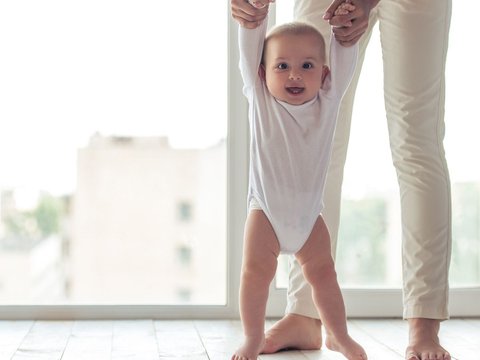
294 28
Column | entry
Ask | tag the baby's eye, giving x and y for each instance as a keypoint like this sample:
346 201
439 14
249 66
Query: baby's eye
307 65
282 66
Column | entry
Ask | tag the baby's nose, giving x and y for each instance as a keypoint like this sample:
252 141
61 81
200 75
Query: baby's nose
295 75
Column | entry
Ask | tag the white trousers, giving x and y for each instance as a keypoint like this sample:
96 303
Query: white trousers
414 39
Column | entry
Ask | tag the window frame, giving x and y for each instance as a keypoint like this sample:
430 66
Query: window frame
377 303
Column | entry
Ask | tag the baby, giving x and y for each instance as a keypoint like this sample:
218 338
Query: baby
293 104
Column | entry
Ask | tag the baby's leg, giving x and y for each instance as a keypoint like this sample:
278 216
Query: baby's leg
319 270
260 253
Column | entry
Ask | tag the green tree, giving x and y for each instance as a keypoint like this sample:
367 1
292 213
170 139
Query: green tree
48 214
361 241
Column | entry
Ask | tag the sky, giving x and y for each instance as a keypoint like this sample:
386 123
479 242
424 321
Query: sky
69 69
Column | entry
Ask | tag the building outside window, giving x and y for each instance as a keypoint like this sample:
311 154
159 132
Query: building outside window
112 166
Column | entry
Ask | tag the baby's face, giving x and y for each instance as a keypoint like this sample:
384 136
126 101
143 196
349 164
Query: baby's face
294 67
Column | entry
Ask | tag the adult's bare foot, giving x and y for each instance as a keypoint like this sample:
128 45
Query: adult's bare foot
294 332
423 340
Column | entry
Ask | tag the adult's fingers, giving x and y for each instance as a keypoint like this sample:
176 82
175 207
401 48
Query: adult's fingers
351 37
247 24
259 4
342 20
331 9
354 30
351 42
247 15
239 14
356 25
244 9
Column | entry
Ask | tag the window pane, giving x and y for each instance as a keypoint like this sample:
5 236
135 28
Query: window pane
112 157
369 246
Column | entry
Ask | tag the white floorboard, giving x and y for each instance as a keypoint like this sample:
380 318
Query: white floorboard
203 340
134 340
90 340
46 340
12 334
179 339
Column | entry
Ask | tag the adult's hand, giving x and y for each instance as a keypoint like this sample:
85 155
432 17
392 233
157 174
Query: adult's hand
349 28
248 15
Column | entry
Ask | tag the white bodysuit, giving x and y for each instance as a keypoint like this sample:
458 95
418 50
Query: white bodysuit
290 145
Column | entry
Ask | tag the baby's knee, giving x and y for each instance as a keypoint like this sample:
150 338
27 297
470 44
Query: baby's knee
258 271
319 273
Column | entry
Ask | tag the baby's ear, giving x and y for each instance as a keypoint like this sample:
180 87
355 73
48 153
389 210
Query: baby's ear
261 72
325 73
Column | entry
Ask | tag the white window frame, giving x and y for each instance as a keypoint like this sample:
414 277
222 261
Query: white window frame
359 302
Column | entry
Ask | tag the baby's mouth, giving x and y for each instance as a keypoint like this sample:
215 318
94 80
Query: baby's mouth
295 90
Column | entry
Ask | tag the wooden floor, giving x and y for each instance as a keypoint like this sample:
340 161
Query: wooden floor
201 340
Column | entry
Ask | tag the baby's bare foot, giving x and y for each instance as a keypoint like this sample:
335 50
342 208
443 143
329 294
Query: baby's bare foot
294 332
346 346
424 342
250 349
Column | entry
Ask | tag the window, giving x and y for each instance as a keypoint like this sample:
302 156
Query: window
91 101
113 159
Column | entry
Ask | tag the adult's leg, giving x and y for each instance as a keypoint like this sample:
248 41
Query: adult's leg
299 292
260 253
414 37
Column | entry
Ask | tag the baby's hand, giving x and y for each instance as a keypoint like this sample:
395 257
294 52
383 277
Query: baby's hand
344 8
260 4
